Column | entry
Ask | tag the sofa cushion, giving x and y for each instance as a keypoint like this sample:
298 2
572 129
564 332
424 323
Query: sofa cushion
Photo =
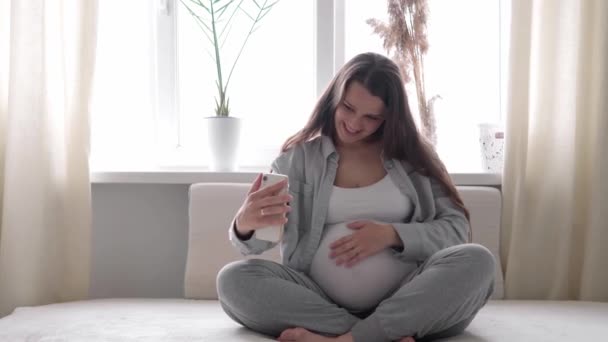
176 320
213 205
485 206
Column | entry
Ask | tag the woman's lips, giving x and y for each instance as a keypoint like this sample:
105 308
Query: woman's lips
348 130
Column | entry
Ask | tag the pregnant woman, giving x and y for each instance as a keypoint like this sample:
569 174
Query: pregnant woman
375 242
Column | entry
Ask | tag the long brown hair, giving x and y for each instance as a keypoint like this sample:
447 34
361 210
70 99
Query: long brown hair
401 139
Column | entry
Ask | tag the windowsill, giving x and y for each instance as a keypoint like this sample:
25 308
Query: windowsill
244 175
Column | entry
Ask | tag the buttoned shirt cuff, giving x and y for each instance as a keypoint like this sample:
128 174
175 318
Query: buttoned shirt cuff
250 246
411 237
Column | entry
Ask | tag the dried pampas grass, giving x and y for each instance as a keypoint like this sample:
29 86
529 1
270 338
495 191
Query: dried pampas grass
405 39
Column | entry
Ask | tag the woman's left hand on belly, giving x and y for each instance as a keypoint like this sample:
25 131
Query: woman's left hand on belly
368 238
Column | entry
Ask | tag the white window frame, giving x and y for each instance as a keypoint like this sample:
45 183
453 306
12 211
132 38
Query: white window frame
329 56
167 104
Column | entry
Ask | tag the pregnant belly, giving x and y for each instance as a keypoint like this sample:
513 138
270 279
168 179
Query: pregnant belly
362 286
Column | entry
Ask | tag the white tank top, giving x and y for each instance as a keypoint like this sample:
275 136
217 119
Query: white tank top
366 284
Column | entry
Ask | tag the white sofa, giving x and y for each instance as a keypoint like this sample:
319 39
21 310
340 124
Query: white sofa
198 317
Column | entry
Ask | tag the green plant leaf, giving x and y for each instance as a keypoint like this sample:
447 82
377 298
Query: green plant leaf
198 3
228 23
271 5
201 24
216 10
227 107
258 18
225 38
246 13
221 10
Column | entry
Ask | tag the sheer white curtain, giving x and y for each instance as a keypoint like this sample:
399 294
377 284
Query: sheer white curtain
46 66
555 216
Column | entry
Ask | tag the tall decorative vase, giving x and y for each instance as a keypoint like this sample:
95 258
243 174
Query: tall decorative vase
492 143
224 136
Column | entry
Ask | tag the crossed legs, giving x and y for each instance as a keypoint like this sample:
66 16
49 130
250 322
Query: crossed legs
440 300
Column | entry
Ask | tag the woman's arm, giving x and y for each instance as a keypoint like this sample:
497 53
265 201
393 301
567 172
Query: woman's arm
248 243
247 246
447 227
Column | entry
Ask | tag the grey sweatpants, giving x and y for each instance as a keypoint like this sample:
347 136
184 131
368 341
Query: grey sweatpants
438 300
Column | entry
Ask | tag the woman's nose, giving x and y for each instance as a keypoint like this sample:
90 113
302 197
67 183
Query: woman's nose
355 122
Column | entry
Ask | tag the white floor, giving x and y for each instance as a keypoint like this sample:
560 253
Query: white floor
192 320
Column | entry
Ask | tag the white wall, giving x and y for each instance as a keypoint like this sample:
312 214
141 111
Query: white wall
139 240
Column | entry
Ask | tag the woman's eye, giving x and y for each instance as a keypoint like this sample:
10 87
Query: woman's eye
373 118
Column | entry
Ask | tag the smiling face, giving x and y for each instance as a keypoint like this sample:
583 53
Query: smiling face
358 116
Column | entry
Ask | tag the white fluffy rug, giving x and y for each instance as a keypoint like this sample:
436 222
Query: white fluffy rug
195 320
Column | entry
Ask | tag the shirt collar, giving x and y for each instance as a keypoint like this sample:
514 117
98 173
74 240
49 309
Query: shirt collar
327 147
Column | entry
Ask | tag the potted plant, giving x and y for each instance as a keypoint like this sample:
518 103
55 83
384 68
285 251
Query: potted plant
215 18
405 37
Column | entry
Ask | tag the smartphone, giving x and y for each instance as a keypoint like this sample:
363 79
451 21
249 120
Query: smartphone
272 233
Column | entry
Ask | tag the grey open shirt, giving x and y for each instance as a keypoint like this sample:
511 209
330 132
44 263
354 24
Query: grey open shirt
436 222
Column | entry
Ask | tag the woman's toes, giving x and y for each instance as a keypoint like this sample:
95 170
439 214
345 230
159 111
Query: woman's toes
291 334
407 339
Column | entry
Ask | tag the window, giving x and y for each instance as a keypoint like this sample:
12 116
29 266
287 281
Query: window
462 66
271 89
122 124
155 81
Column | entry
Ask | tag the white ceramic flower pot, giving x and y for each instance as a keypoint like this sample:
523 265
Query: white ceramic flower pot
224 136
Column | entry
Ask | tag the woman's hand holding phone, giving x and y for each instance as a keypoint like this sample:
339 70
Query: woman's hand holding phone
266 205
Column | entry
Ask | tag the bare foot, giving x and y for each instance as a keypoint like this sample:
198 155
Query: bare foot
407 339
303 335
